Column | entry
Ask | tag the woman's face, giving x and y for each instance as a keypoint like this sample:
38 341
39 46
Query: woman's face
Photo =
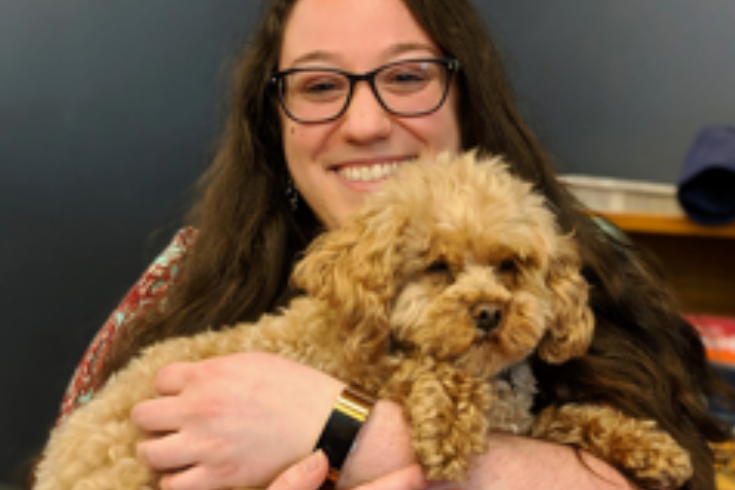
325 159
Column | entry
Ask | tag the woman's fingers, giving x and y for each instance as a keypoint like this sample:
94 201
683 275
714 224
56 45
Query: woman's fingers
159 415
171 379
194 478
198 478
307 474
408 478
168 453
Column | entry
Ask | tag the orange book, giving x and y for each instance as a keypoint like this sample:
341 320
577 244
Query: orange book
718 335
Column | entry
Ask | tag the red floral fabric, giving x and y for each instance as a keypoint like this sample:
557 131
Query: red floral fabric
147 295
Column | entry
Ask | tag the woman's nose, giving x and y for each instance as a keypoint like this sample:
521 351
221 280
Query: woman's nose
365 119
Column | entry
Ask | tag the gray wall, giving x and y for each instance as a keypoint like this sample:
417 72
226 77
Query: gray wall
620 87
109 110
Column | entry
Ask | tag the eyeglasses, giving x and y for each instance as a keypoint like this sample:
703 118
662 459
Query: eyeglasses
405 88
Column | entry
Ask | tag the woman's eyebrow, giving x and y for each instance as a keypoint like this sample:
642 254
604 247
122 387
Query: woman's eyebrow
315 56
402 48
390 52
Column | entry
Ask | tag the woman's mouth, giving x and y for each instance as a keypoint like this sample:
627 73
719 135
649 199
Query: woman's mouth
369 172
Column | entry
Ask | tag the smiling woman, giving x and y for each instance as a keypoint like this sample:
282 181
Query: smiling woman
285 171
357 134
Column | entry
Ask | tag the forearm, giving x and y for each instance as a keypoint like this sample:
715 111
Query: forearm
510 463
520 463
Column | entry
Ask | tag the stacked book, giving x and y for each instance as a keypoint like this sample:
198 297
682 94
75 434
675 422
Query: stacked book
718 335
624 196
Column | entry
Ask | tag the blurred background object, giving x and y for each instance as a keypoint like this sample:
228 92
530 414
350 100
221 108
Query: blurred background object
706 187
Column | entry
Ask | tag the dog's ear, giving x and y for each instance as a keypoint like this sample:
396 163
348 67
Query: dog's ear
353 270
572 321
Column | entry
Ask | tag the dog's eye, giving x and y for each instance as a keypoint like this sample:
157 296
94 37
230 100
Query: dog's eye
508 265
439 267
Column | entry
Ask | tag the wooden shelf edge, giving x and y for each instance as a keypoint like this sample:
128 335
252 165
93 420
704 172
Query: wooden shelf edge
665 225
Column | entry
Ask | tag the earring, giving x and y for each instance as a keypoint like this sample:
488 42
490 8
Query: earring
292 195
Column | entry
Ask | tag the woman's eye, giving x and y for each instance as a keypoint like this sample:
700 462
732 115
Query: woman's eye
404 80
320 88
317 87
407 77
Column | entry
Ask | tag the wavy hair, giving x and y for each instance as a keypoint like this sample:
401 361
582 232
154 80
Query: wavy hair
645 358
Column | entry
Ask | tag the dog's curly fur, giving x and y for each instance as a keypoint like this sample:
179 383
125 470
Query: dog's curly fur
434 295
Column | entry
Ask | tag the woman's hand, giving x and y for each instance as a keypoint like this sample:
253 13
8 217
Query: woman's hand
233 421
309 474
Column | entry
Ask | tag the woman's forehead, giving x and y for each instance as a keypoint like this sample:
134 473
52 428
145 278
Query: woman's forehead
352 32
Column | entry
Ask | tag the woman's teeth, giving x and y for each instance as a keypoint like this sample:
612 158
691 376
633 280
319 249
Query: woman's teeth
368 173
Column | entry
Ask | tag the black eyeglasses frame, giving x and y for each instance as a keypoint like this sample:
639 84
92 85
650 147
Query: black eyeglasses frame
451 65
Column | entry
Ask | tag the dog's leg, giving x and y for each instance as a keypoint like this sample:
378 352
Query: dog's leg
446 413
636 447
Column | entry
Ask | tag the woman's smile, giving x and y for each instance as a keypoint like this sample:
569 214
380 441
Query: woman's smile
367 175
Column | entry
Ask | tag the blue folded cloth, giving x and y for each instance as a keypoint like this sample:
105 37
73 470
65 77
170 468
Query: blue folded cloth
706 188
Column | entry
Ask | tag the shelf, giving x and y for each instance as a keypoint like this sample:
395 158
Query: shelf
666 225
696 260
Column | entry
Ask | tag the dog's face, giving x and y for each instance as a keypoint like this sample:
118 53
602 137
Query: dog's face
457 260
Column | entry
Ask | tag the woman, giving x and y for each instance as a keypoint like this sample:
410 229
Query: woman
288 168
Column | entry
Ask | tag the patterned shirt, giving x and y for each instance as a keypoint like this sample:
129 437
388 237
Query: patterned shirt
148 295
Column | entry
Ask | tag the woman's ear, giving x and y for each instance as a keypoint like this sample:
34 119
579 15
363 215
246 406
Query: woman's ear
353 270
572 321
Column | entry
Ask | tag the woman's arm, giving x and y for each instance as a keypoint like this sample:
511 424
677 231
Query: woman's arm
510 463
243 419
147 295
310 472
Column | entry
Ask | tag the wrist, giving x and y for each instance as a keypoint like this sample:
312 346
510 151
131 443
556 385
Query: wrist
382 446
338 437
323 405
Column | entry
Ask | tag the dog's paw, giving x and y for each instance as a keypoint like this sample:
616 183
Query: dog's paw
655 457
443 445
447 412
442 467
636 447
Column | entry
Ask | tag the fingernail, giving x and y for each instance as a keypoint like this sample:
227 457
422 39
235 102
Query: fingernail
312 462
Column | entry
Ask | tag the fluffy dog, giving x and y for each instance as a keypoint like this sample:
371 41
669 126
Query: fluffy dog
434 294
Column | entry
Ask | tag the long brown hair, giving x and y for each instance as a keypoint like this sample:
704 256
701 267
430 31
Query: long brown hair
645 358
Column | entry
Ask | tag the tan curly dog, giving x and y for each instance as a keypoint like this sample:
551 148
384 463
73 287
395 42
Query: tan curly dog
433 295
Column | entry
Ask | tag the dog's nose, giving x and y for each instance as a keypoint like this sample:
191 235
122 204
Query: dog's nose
487 316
